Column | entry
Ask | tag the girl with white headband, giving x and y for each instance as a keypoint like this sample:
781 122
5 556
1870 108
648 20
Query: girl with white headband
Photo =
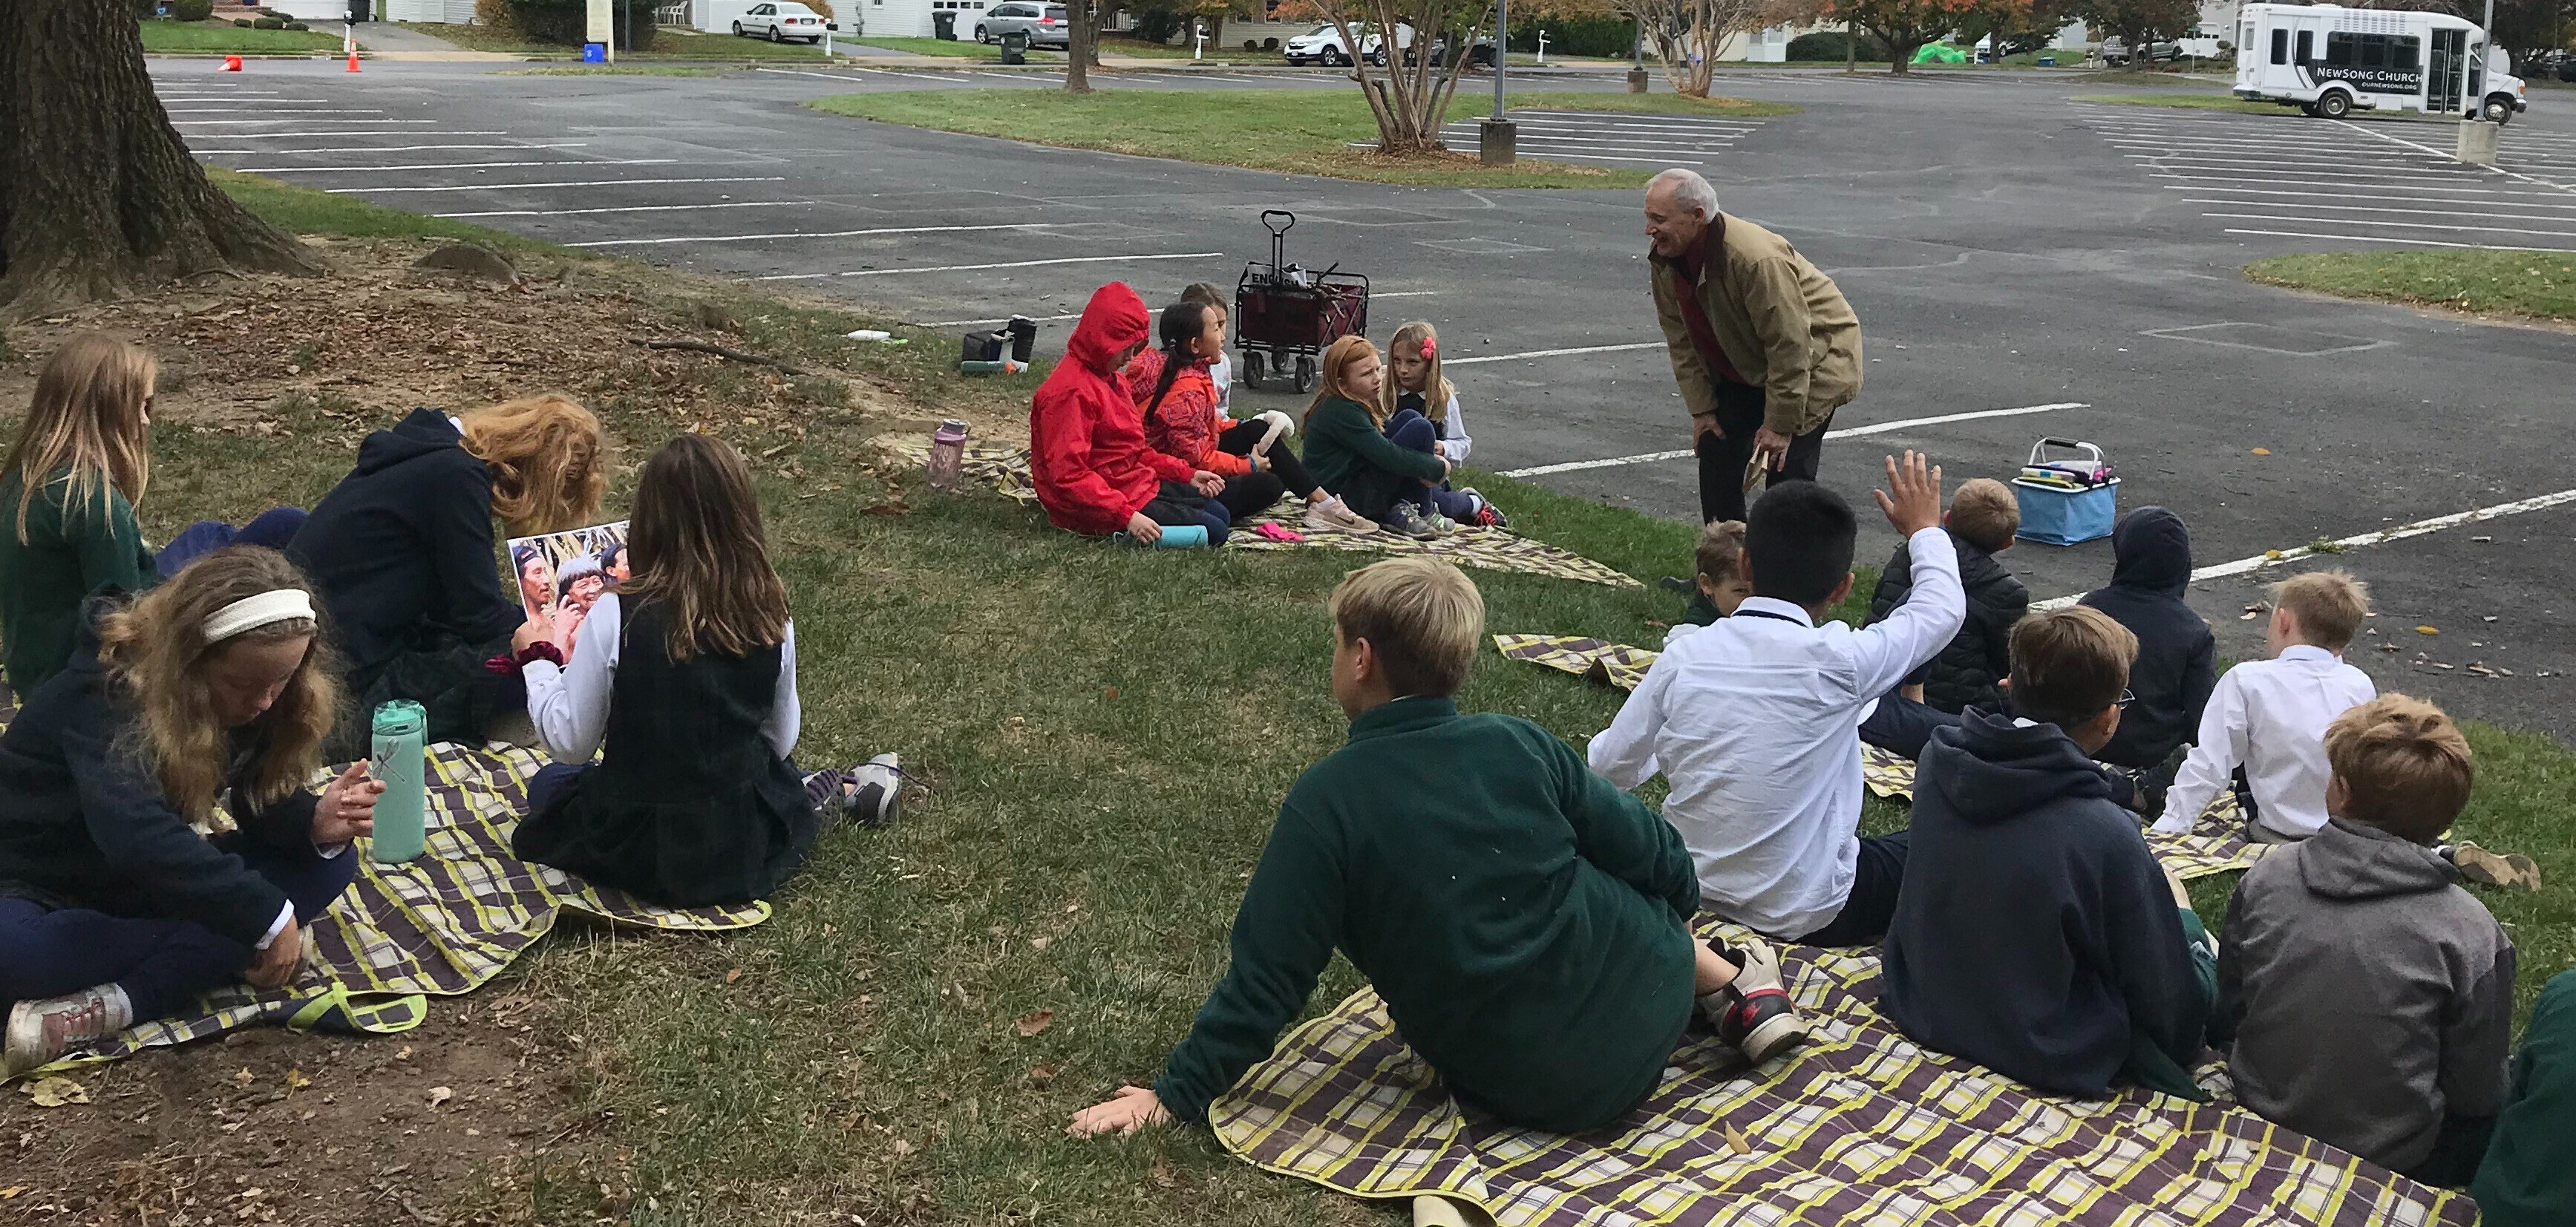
113 908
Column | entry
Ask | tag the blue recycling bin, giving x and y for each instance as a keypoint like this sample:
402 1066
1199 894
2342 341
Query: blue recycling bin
594 53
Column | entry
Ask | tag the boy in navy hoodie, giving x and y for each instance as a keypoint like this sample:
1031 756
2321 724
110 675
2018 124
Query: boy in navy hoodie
2035 934
2177 663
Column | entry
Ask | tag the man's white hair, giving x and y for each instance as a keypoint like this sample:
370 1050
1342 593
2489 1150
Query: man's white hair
1690 190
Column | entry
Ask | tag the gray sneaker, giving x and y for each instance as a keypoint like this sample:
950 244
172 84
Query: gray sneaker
40 1032
1408 520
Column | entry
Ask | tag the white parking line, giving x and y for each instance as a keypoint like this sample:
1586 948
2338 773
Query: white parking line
313 136
2426 195
397 148
973 268
2439 154
2389 225
273 111
2339 207
2274 558
997 319
271 123
1554 353
2372 238
378 170
167 99
829 234
2184 161
1874 428
514 187
730 204
2440 189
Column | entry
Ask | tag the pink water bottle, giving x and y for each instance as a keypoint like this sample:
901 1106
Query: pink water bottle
947 454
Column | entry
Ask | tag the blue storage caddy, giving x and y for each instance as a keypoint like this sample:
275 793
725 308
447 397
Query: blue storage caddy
2056 516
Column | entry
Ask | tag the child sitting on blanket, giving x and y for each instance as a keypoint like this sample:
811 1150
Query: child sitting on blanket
1347 449
2035 934
1220 368
1981 522
1177 400
2266 721
687 672
2371 998
2177 655
1088 461
2526 1180
1421 411
1720 585
1755 720
1526 923
211 686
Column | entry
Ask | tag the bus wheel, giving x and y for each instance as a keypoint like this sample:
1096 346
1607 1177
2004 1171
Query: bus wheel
2308 108
2499 110
2334 104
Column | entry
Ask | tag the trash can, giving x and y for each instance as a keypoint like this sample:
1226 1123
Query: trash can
943 26
1015 47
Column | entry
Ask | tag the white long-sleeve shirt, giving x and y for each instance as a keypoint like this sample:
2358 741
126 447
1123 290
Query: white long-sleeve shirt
569 705
1755 722
2269 717
1454 441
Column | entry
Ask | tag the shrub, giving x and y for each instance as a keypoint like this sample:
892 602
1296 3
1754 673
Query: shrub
1158 25
269 23
1252 44
1602 36
497 16
1270 44
1832 45
243 22
192 10
567 22
295 25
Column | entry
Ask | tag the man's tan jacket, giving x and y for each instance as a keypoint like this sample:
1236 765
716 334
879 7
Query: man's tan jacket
1779 320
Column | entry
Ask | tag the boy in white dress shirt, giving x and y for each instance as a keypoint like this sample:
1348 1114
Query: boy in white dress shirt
2267 719
1754 720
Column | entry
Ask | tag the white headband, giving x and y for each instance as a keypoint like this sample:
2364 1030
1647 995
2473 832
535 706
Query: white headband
253 612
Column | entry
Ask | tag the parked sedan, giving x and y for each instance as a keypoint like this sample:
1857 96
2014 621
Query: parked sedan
1045 24
781 21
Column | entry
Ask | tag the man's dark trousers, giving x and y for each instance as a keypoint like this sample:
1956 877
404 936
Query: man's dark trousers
1722 460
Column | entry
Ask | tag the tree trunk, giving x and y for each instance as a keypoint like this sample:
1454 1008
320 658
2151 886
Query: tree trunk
1077 50
98 196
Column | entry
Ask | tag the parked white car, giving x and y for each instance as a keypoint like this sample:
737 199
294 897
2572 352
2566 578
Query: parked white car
1323 45
782 20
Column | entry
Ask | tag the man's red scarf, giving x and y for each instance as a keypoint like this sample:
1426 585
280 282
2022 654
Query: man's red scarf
1686 273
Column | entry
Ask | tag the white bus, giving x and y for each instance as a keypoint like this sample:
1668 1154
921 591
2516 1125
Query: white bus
2329 60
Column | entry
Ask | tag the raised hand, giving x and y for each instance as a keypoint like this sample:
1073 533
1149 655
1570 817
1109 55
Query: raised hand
1912 500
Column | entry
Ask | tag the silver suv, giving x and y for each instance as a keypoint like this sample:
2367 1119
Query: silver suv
1045 24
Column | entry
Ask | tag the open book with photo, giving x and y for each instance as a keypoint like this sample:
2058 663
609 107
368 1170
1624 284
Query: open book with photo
559 575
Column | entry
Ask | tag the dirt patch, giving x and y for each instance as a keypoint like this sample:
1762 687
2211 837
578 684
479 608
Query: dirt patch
267 1126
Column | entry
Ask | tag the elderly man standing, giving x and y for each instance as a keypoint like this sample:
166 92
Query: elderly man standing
1764 346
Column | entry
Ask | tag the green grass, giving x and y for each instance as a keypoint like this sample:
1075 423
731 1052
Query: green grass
225 38
613 70
2538 284
668 44
1291 131
1100 737
307 211
963 48
2190 102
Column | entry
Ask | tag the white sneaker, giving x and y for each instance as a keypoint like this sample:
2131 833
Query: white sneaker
875 797
1334 515
40 1032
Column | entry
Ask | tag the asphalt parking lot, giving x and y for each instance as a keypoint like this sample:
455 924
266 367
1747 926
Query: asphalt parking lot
2022 264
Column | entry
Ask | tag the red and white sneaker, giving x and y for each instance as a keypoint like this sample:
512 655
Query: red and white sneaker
1754 1013
40 1032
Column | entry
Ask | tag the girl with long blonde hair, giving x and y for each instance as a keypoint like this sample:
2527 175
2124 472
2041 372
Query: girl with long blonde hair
1419 409
401 551
213 687
70 487
1348 453
686 672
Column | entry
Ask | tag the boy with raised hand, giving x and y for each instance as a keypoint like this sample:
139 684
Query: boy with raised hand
2267 719
1754 721
2371 998
2035 933
1966 673
1525 922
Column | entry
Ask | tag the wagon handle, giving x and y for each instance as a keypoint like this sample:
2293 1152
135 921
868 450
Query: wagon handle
1278 231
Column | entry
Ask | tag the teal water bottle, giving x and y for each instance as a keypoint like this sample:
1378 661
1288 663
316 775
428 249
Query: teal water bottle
402 762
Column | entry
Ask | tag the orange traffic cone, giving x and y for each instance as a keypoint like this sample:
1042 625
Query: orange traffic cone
353 61
232 63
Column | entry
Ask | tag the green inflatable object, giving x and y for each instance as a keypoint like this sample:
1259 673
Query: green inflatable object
1940 53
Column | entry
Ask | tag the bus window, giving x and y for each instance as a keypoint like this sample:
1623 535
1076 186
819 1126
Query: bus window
2280 46
2374 51
2339 49
2307 47
2405 53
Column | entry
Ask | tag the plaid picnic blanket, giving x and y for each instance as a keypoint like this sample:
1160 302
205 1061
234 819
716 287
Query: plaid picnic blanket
441 925
1858 1126
2216 844
1491 549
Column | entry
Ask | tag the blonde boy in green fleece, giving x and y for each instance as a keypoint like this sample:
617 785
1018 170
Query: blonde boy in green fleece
1525 922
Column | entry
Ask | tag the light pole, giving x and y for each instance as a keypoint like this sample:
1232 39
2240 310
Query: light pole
1496 139
1637 59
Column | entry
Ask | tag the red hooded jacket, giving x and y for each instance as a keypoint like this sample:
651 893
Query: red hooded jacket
1087 452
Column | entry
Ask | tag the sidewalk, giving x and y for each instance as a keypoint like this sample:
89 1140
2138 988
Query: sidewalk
394 36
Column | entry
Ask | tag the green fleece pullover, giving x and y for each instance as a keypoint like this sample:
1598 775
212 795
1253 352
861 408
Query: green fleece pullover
67 554
1524 920
1343 442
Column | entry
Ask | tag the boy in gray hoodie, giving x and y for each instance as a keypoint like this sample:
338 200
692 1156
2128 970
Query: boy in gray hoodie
2371 997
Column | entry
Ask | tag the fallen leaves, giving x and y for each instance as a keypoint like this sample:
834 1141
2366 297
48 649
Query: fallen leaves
1044 1072
440 1094
55 1092
1164 1176
733 975
241 1077
2262 451
1033 1022
2428 630
296 1081
1736 1141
